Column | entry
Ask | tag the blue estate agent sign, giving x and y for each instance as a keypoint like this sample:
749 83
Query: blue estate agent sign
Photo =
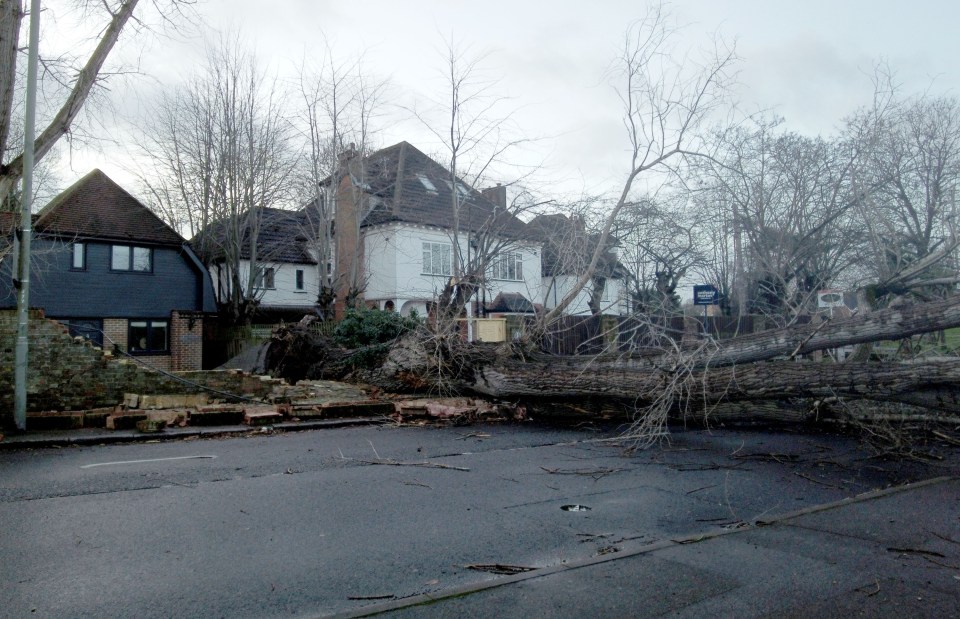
706 294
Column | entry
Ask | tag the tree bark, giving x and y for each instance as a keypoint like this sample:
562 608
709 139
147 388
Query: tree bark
730 380
731 374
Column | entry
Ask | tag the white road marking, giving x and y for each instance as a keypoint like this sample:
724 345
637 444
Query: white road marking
90 466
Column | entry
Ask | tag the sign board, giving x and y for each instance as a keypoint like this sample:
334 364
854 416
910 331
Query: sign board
706 294
830 298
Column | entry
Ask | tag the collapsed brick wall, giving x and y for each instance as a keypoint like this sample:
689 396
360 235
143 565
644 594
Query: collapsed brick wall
66 373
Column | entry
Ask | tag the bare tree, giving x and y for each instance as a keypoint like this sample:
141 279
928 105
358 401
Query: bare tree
789 200
70 82
912 165
339 106
222 149
659 247
474 137
665 101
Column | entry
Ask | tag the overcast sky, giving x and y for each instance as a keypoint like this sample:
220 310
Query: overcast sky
810 61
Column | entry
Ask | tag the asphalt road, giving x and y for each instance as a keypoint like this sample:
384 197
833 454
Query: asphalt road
323 522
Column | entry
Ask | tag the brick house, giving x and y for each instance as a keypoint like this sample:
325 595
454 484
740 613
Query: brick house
111 271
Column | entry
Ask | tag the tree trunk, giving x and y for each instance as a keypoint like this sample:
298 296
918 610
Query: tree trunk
731 373
729 380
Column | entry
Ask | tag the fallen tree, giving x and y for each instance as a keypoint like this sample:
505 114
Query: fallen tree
757 375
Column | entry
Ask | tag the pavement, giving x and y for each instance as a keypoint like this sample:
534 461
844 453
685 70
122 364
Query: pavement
100 436
892 552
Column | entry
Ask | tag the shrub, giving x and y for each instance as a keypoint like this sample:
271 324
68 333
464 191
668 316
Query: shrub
368 327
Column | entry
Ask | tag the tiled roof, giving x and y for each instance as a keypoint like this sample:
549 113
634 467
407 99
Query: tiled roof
403 184
510 303
97 207
282 237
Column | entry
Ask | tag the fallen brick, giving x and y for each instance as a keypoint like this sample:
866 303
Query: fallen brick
126 420
151 426
262 419
171 417
218 417
55 420
175 400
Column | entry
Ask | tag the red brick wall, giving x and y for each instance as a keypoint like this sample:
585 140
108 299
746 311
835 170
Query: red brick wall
347 244
115 332
186 341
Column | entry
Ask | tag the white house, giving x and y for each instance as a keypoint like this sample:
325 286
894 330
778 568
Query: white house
408 234
567 250
395 235
286 273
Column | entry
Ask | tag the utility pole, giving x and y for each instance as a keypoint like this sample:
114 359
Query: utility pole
22 240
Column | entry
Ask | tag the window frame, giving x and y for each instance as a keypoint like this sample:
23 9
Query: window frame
299 281
437 249
266 278
502 264
149 324
83 256
130 258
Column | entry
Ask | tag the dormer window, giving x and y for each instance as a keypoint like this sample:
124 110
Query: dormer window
429 186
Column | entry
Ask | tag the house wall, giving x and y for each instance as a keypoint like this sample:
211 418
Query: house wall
98 292
284 293
67 373
395 270
554 289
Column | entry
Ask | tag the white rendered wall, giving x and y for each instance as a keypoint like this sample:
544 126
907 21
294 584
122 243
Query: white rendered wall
556 288
284 292
394 267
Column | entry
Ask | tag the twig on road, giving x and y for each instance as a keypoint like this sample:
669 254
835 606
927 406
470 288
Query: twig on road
499 568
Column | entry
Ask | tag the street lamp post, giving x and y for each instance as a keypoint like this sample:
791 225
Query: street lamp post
22 240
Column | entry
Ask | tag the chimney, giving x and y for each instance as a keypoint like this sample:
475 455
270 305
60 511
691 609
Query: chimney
348 154
497 195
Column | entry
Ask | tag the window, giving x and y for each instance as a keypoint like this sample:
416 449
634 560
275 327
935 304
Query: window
508 265
79 260
427 184
127 258
266 279
299 279
436 258
148 337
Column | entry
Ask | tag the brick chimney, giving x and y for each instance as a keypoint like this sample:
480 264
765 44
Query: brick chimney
497 195
348 246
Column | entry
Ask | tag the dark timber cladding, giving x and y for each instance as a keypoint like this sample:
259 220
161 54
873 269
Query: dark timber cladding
100 253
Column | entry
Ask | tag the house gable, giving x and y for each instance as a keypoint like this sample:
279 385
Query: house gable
96 207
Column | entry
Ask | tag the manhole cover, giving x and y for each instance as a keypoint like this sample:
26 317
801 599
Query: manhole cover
575 508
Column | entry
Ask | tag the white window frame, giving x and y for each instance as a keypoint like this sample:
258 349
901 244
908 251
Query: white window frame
508 266
266 278
437 258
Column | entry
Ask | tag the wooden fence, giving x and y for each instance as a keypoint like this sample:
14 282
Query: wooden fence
224 343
